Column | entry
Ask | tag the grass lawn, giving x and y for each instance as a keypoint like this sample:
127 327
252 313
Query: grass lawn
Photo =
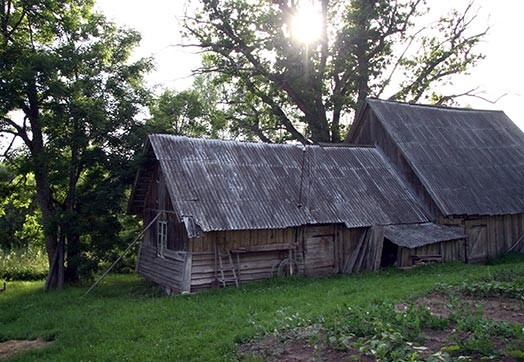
126 318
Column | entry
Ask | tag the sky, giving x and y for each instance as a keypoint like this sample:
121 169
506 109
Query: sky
498 75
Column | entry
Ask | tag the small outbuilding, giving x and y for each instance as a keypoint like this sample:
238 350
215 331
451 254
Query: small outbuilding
219 213
465 166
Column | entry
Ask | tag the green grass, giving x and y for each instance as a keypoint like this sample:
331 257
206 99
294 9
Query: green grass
24 264
127 319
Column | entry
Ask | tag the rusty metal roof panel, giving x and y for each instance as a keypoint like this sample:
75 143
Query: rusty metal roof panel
229 185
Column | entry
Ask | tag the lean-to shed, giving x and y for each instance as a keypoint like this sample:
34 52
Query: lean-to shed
466 166
224 212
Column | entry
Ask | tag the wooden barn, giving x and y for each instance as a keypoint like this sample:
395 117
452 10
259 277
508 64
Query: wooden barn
219 213
465 166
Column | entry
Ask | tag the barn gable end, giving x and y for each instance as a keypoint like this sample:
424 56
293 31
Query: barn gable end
465 165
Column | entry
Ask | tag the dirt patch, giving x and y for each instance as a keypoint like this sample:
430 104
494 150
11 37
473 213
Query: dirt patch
304 346
273 349
311 344
499 309
9 348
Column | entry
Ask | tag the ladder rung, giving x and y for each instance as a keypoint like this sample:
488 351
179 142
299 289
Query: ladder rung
230 271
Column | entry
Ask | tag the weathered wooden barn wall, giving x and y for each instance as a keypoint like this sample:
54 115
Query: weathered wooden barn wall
346 243
235 239
359 249
257 254
462 163
168 271
447 250
318 250
488 236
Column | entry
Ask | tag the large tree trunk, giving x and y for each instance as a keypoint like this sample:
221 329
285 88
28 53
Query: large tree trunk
55 252
318 126
73 258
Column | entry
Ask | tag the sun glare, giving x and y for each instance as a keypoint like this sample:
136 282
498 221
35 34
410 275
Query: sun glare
306 24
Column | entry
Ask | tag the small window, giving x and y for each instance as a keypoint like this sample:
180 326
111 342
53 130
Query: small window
161 238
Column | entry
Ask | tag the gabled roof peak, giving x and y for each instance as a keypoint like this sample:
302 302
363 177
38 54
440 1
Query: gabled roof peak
372 100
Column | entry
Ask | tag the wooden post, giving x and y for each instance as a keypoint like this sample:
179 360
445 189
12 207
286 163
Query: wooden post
216 262
186 279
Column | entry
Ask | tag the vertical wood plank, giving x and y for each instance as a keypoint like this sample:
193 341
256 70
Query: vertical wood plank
186 279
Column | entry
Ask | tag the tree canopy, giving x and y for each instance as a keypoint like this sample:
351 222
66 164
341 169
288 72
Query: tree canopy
279 87
70 94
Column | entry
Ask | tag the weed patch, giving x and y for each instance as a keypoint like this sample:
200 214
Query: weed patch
480 318
365 316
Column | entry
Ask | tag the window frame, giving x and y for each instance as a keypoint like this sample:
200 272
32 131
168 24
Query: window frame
161 237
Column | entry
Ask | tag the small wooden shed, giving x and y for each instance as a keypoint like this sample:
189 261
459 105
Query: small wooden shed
227 212
465 166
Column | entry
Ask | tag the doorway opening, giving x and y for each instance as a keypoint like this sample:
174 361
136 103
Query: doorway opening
389 253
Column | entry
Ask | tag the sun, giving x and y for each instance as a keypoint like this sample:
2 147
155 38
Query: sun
306 24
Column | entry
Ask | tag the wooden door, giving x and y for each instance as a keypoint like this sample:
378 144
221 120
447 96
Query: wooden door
477 243
319 250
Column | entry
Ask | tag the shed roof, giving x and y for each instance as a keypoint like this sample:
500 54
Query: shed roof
469 161
415 235
229 185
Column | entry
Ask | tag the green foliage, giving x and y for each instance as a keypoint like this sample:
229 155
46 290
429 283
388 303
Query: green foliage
193 113
275 87
508 284
381 331
20 219
23 264
66 69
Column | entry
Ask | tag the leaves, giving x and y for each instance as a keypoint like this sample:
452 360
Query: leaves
276 88
67 70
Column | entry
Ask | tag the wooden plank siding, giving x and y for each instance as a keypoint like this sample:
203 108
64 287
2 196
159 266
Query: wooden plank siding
488 236
319 250
250 263
167 271
448 250
227 240
346 244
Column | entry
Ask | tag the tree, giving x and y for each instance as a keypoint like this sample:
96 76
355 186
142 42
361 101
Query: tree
192 112
65 69
275 82
178 113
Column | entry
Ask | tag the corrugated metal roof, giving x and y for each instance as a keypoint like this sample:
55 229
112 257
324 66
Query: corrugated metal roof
415 235
471 162
229 185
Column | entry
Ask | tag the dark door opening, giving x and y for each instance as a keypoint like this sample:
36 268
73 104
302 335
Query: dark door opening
389 253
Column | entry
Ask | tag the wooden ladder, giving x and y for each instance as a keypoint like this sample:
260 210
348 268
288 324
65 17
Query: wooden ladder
230 267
